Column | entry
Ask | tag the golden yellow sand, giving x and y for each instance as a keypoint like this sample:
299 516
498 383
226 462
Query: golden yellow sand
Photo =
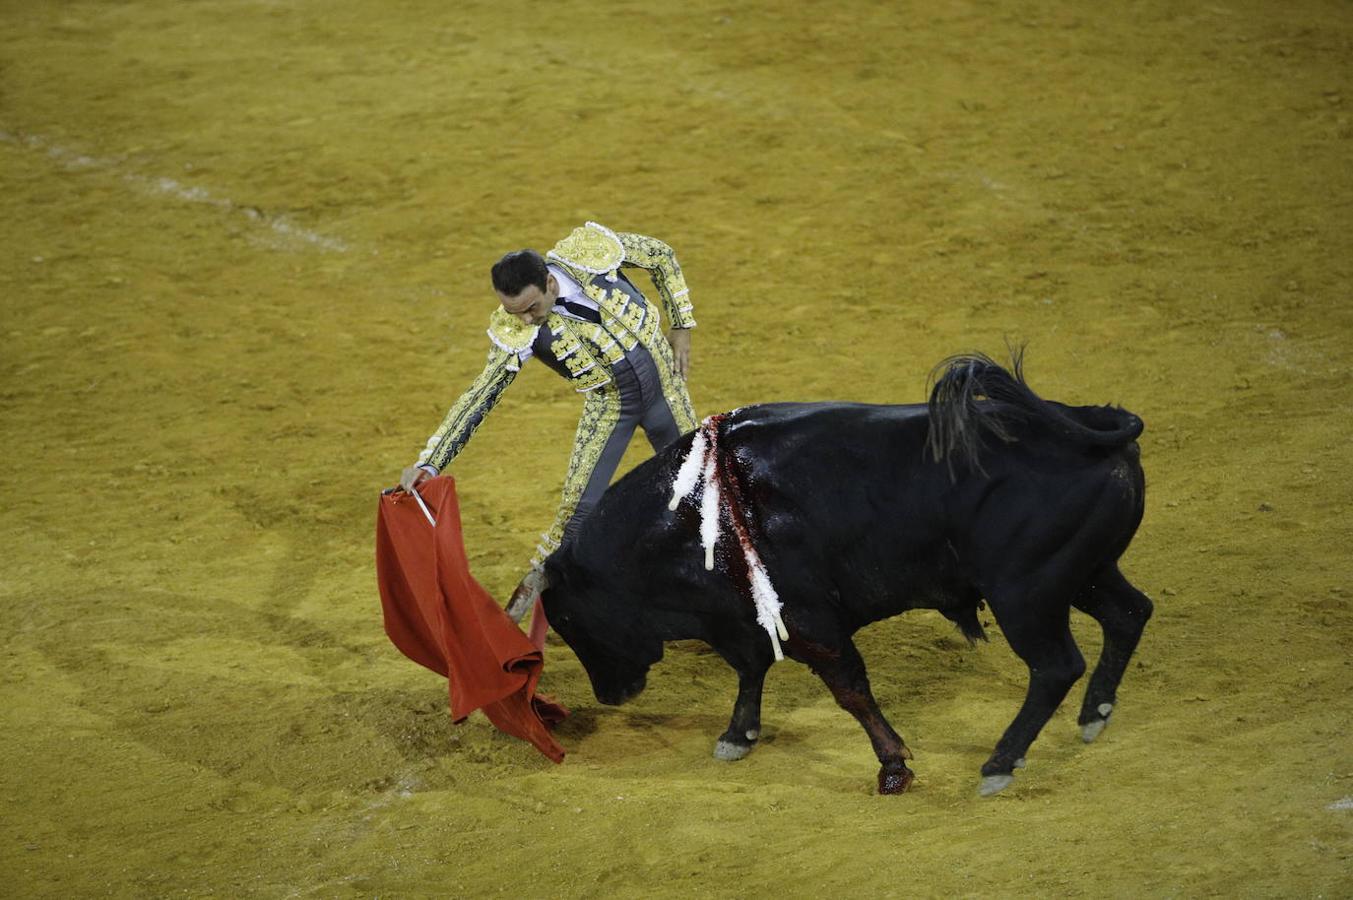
246 247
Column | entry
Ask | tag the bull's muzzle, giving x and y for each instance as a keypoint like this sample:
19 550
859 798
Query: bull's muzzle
614 696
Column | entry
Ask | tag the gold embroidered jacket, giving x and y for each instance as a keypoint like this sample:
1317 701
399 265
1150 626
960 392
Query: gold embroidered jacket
583 352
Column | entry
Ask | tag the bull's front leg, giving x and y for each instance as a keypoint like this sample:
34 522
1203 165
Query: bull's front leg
745 726
749 653
845 677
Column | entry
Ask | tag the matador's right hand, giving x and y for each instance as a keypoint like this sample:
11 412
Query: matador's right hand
524 597
411 477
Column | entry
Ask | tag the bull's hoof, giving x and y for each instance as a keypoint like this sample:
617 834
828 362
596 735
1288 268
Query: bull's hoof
729 751
1091 730
894 778
994 784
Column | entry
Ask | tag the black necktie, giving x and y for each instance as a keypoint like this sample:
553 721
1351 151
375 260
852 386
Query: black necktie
580 310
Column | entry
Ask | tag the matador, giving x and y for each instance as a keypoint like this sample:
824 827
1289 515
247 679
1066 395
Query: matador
576 311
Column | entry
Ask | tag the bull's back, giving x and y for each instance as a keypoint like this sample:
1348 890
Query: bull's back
830 441
832 459
855 487
796 460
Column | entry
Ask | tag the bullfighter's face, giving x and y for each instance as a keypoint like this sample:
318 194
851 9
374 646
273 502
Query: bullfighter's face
532 305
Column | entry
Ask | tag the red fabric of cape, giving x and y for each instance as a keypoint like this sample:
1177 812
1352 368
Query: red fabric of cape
440 617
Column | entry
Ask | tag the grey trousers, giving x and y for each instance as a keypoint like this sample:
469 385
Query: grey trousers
642 405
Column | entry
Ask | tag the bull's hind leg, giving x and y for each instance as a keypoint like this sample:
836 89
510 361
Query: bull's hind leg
1122 612
845 676
1043 640
751 660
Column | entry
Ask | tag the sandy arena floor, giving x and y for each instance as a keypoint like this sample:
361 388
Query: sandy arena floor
245 272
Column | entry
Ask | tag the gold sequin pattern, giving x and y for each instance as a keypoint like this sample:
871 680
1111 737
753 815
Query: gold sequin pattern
601 413
673 385
510 332
469 411
609 348
591 248
661 262
636 322
611 304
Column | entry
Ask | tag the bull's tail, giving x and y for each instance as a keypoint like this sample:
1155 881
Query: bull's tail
959 417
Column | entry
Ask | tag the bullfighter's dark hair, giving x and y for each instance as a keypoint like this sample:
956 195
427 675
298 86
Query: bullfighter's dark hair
517 271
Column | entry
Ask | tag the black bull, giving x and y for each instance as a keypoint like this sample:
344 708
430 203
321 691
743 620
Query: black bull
860 512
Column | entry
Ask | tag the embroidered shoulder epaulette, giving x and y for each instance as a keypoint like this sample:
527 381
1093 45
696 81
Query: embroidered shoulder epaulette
590 248
511 333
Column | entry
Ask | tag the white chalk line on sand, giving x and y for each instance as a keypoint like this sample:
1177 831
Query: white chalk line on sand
172 187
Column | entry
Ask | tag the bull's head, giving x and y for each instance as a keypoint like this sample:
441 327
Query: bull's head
607 633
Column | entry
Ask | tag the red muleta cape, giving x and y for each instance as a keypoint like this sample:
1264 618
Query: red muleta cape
440 617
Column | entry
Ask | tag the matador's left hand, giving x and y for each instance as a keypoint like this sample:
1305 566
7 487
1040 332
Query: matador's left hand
680 339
